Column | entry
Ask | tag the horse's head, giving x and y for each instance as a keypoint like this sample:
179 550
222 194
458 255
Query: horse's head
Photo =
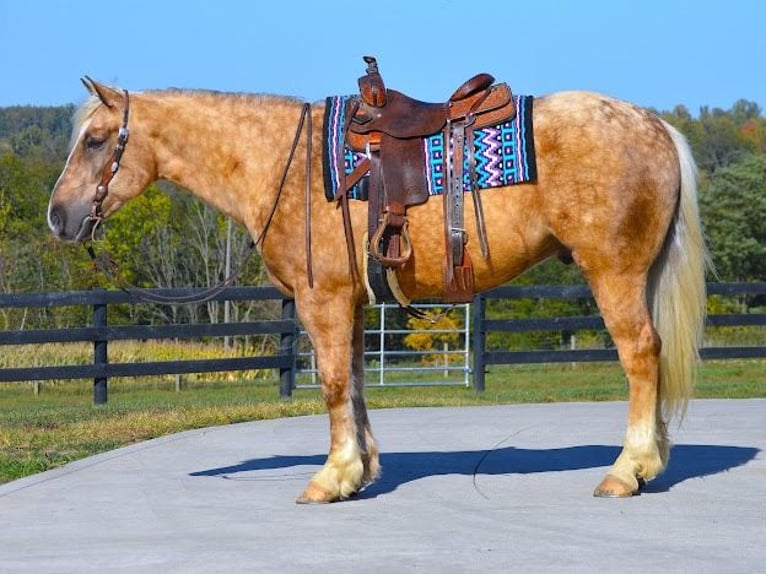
98 177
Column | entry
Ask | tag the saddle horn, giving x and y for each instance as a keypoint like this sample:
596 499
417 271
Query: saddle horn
371 86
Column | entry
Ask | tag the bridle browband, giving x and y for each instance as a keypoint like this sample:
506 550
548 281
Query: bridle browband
96 214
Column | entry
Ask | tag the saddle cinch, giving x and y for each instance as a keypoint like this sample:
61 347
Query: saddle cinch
389 127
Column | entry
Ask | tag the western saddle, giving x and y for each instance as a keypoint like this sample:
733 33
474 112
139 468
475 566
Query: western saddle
389 127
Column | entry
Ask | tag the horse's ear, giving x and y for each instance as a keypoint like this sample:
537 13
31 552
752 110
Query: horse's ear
108 96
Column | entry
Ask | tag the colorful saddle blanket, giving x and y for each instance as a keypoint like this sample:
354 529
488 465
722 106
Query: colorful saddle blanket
505 153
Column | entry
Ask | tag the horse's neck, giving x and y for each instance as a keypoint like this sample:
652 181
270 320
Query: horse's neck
226 149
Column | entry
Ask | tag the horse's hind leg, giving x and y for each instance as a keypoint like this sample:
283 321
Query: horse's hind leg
330 322
623 305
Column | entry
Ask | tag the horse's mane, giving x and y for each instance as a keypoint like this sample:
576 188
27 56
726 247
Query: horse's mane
216 94
233 98
89 107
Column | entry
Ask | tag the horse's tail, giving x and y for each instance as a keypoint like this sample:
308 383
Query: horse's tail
676 290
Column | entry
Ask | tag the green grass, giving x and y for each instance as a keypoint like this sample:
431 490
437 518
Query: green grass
60 424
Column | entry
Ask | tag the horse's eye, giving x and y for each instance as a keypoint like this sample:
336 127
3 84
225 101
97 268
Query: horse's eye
93 142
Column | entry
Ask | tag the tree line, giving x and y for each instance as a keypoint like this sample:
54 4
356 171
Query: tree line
168 238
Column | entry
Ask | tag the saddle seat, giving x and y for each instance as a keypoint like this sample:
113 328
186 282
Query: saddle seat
387 111
389 126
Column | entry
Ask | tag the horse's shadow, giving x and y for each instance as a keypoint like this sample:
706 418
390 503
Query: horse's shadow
687 461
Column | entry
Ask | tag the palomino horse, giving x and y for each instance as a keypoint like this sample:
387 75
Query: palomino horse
615 192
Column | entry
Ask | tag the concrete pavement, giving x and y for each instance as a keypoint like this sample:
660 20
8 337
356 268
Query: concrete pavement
474 489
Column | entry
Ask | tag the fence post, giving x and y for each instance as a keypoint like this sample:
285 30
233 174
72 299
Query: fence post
287 346
100 356
478 343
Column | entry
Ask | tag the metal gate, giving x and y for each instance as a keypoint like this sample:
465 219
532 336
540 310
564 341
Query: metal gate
388 365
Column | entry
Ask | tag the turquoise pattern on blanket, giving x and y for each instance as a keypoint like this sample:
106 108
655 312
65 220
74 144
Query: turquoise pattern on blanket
504 153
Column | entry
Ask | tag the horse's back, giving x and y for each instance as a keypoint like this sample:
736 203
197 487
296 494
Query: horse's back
606 190
588 137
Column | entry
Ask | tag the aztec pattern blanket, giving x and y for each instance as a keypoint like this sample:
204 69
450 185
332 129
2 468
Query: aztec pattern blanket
505 153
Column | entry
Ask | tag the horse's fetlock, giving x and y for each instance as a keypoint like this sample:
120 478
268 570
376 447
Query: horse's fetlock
649 466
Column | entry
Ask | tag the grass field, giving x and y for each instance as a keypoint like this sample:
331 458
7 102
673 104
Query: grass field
60 424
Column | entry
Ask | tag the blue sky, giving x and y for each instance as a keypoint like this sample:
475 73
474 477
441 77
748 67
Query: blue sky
656 53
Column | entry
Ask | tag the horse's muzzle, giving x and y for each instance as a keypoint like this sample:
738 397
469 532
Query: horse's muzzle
68 228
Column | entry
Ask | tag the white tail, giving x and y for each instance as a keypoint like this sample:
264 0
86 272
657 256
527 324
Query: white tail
676 293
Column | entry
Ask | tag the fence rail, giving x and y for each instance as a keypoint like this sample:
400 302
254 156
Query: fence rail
482 325
100 333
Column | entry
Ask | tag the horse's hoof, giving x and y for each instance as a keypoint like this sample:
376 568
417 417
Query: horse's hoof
315 495
613 487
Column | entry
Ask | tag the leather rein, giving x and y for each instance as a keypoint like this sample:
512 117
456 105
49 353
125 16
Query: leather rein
108 266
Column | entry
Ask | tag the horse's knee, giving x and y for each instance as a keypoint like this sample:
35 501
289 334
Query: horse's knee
335 388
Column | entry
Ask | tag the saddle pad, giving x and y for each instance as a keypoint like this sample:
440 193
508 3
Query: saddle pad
505 153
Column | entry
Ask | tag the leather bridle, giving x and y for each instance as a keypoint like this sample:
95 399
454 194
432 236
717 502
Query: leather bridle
96 214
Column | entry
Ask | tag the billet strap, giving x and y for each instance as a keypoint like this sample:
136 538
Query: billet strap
460 288
348 231
453 197
458 269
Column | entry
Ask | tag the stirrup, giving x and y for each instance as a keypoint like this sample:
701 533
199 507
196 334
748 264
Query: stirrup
404 244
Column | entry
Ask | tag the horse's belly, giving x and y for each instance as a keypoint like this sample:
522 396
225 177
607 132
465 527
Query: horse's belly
517 239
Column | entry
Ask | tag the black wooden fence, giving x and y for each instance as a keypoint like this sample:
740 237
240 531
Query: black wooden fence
482 325
100 333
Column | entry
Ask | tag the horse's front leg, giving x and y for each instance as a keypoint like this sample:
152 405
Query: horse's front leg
369 449
352 460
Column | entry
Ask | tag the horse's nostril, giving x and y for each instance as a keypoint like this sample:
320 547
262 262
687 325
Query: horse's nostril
56 221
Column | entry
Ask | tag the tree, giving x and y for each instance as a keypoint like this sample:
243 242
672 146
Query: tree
719 137
39 132
25 186
429 332
733 208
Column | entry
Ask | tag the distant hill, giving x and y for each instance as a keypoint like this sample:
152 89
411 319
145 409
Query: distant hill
36 132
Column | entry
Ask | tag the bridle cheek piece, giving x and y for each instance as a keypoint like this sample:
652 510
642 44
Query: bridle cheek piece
96 214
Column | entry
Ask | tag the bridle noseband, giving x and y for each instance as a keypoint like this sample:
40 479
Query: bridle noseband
96 214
